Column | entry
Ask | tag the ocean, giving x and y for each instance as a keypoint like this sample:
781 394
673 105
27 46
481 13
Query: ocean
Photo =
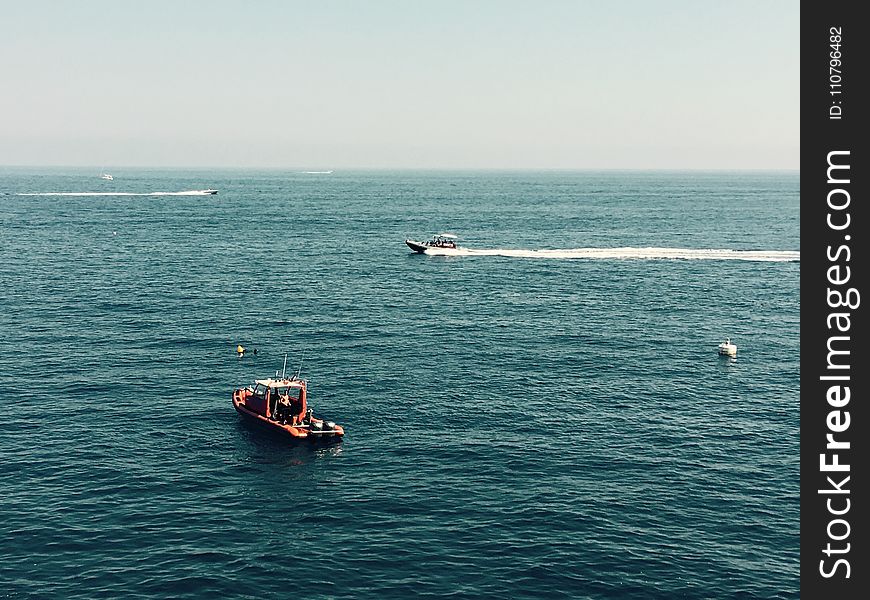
519 423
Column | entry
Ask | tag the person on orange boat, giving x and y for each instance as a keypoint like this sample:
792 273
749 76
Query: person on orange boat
287 403
284 410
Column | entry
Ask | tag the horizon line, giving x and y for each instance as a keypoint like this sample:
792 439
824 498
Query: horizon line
363 169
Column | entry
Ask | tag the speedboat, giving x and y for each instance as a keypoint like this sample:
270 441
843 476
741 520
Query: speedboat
440 240
211 192
282 406
726 348
106 176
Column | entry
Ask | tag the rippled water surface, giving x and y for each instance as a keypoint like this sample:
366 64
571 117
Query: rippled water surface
547 426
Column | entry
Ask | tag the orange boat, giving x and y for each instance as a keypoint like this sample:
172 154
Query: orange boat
282 405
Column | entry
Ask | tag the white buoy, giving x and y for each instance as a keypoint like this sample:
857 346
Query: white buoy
726 348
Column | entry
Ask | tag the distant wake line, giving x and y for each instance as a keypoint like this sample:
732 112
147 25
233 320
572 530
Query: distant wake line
628 253
187 193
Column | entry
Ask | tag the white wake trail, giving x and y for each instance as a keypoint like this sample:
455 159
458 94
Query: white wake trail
628 253
184 193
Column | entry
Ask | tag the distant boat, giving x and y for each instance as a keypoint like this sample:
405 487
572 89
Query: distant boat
317 172
208 192
106 176
441 241
726 348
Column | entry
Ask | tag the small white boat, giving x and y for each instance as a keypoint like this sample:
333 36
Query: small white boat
726 348
106 176
439 241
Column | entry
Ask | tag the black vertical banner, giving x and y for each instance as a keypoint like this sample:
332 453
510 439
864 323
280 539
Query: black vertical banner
835 170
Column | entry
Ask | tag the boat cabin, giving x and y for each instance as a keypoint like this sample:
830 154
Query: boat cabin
283 400
443 240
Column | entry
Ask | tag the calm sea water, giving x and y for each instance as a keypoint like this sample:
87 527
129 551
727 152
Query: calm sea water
516 427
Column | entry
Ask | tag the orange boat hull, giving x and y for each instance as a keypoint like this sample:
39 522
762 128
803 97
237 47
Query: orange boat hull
296 432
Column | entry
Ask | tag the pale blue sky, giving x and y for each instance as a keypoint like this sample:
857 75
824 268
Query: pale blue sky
401 84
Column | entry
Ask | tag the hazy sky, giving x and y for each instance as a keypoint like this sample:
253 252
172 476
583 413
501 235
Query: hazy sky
395 84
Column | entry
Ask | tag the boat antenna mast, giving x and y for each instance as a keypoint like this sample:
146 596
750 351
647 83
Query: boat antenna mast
299 368
284 368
